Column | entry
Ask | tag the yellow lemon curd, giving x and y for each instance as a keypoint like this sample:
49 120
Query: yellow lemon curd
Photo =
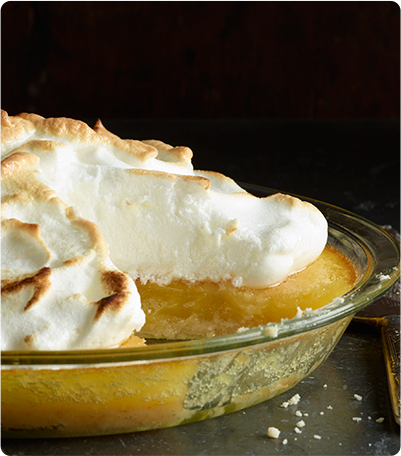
183 311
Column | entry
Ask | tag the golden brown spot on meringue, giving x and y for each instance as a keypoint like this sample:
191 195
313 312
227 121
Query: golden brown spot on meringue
42 285
111 303
115 283
92 230
233 226
40 281
29 339
74 261
42 145
138 149
60 126
79 132
201 181
102 130
177 153
13 128
20 182
5 119
16 163
31 229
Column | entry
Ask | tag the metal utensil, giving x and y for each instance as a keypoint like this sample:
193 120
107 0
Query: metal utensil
384 314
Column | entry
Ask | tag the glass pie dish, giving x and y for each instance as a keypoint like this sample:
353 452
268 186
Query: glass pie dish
168 383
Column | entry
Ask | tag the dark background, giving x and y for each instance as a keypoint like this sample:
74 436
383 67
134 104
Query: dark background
308 60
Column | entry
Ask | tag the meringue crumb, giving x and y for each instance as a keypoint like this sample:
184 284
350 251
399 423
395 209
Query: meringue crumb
325 386
294 400
242 329
357 397
329 407
321 413
297 430
272 331
306 414
357 418
383 277
285 441
380 420
317 437
301 423
273 432
298 413
299 313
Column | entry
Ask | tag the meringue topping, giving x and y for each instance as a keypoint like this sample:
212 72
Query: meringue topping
164 220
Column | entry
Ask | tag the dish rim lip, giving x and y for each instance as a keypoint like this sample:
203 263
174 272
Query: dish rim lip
368 289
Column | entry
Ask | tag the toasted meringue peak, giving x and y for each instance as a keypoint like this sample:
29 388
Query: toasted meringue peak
60 289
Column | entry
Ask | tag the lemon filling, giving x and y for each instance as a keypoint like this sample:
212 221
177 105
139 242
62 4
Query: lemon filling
184 311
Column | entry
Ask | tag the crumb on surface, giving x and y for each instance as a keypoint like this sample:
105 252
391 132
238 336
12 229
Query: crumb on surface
285 441
297 430
294 400
317 437
298 413
380 420
273 432
357 397
357 418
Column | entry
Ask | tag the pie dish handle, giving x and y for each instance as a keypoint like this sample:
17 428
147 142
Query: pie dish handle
390 332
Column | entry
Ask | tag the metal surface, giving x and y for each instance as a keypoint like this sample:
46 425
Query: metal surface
384 314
